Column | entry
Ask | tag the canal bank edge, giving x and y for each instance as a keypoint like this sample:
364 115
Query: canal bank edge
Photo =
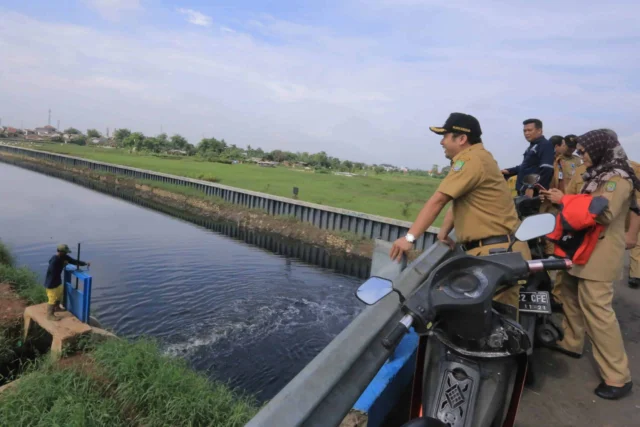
359 224
199 203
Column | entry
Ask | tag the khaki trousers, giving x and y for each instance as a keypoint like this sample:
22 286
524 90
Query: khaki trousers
557 284
634 261
588 309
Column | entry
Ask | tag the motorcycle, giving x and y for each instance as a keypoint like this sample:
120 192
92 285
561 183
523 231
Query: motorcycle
471 370
540 325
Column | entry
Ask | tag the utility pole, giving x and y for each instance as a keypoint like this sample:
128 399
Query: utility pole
49 121
107 132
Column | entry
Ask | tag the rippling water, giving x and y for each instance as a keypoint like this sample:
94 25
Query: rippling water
237 312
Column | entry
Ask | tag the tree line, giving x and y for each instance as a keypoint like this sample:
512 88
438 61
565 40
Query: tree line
214 150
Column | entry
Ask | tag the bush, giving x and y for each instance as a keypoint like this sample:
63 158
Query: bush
210 178
24 282
6 258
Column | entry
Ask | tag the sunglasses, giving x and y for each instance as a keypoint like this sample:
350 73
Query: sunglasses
580 152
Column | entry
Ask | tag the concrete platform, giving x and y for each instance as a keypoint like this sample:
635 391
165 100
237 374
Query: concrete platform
63 331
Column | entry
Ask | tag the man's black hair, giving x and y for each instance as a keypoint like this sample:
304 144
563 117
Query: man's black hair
536 122
571 140
556 140
472 140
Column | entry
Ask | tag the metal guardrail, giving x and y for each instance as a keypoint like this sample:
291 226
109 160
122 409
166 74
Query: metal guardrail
324 217
327 388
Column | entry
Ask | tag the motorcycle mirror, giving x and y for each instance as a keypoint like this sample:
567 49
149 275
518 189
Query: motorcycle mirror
374 289
531 179
536 226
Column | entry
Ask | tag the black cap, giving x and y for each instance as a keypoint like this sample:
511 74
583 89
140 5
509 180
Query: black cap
459 123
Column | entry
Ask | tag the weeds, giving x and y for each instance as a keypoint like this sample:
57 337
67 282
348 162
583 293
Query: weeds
207 177
24 282
164 391
53 397
6 257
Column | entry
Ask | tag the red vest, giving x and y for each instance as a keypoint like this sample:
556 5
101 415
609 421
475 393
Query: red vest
577 231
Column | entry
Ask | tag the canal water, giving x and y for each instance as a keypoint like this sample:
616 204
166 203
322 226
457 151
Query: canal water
239 312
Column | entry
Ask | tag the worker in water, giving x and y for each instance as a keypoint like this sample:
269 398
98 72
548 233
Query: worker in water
482 212
53 280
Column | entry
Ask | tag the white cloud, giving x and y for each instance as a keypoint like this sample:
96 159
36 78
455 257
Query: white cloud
112 9
196 18
368 97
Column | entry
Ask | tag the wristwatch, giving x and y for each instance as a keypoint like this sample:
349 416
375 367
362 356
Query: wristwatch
410 238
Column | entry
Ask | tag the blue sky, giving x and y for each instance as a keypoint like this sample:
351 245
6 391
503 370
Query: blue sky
359 79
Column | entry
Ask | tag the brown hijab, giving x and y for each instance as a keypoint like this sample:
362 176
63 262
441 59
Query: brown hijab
609 159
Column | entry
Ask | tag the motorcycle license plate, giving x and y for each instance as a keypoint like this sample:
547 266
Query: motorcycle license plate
535 302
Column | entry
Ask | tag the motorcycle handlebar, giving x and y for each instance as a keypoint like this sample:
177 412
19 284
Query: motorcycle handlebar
549 264
393 339
402 327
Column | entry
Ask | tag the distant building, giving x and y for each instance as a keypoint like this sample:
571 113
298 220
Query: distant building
268 164
45 130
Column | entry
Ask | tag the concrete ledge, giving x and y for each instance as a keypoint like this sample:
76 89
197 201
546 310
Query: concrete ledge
63 331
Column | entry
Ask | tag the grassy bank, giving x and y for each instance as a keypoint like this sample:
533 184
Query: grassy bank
389 195
109 383
121 383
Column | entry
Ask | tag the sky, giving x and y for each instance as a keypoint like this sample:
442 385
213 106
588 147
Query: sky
361 80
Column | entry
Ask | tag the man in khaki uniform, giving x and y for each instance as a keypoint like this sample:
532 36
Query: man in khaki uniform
566 163
512 186
564 168
483 212
587 290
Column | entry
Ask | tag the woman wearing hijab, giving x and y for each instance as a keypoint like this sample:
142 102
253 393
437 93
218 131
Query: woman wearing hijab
587 290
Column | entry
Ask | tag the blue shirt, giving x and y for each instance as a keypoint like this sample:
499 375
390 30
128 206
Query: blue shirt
54 272
538 158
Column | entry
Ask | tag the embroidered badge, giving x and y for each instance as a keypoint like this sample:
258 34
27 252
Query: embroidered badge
458 165
611 185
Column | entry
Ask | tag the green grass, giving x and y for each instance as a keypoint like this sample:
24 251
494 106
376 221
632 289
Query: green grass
24 282
389 195
52 397
131 384
6 257
164 391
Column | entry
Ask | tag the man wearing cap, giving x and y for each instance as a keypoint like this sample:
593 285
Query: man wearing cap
537 159
483 212
53 280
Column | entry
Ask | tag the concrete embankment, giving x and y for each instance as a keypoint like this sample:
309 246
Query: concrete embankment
345 224
199 204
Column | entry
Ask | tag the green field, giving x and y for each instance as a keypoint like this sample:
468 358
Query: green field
389 195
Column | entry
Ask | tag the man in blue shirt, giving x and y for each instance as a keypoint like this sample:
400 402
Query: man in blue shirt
538 158
53 280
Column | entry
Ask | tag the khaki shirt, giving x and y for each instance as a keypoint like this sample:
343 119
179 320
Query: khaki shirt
605 263
564 168
575 185
482 203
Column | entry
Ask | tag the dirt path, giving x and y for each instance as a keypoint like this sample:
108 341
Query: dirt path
564 394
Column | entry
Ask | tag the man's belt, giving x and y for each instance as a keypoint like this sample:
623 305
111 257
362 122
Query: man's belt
494 240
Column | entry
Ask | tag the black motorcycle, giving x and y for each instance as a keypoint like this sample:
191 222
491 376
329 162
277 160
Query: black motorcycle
540 324
472 365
